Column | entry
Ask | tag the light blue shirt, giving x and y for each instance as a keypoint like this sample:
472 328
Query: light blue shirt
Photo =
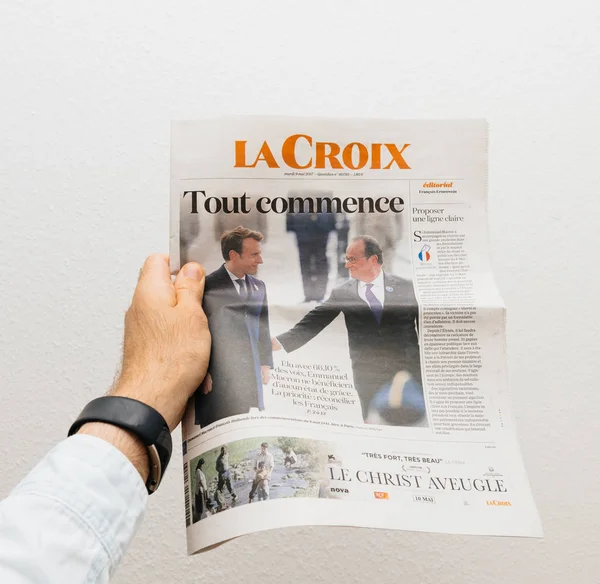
71 519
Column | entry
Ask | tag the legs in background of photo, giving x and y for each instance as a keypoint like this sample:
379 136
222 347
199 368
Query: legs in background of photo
225 480
255 483
199 506
219 500
252 490
342 228
260 489
203 507
314 266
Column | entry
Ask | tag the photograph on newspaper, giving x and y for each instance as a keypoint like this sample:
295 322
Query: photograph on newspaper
256 469
319 266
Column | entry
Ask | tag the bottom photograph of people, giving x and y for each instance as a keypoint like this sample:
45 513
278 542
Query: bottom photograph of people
254 470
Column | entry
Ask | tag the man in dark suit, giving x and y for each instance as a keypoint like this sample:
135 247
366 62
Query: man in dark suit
235 303
381 315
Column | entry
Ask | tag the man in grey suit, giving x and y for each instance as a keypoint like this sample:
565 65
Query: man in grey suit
381 315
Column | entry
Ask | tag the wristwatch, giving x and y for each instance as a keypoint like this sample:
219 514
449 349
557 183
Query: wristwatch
139 419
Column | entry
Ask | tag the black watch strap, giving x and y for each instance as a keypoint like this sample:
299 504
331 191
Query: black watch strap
139 419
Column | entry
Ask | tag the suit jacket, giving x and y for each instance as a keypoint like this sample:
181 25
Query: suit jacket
377 351
241 343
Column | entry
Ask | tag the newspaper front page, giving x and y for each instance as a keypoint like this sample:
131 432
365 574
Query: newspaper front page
358 371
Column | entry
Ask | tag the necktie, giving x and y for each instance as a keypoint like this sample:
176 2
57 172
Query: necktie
375 305
243 289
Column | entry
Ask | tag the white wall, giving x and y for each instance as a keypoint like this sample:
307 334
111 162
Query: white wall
88 91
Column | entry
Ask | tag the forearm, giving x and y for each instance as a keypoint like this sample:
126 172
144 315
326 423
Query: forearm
310 325
71 519
73 516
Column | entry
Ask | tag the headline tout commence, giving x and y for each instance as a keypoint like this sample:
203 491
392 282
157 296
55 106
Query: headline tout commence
311 205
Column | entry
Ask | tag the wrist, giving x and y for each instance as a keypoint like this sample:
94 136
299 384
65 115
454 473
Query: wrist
127 442
144 427
157 400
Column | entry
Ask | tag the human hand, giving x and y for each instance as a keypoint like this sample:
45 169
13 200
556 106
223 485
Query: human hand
265 373
275 344
167 340
207 384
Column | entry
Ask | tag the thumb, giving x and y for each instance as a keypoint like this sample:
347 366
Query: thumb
189 285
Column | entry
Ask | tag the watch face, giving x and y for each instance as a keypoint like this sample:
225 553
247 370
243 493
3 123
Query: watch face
156 469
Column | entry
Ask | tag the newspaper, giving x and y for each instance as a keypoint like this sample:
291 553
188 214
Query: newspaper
358 371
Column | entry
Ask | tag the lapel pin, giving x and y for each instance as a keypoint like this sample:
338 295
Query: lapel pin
389 289
256 287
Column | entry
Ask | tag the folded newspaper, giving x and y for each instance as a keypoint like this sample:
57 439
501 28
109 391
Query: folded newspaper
358 368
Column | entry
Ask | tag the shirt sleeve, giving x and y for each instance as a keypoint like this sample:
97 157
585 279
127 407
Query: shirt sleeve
72 518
